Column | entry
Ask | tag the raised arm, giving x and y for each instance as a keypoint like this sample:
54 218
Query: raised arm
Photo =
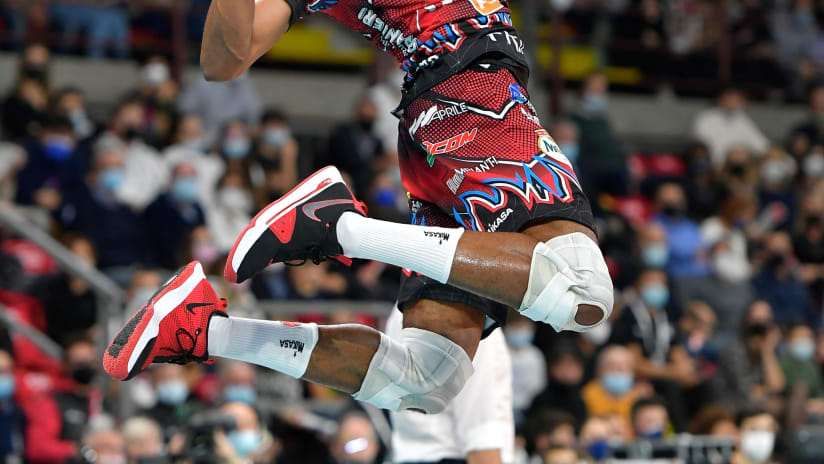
238 32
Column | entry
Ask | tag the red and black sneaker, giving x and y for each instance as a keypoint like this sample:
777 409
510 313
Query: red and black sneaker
171 327
300 226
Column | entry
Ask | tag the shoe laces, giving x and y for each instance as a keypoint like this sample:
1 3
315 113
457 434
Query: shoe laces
183 355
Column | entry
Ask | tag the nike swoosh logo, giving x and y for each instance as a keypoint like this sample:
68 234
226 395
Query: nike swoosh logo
191 306
310 209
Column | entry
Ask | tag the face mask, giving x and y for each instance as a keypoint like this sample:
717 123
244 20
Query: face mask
111 459
599 334
571 150
141 296
774 261
802 350
599 449
655 255
813 165
132 134
172 392
519 337
655 295
154 74
197 144
184 189
804 18
111 179
7 384
237 147
234 198
757 445
595 103
617 383
58 148
653 433
366 125
384 197
276 136
672 211
81 125
205 252
244 441
239 393
773 172
738 170
813 221
83 374
728 267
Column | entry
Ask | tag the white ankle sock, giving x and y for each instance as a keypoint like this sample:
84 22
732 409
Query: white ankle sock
284 347
424 249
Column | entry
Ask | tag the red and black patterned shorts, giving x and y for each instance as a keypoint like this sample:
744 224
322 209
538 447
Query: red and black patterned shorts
473 154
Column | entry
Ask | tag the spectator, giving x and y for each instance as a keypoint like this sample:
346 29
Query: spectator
103 26
561 456
795 31
748 369
355 149
35 63
27 104
777 282
53 167
235 144
104 446
729 226
702 185
316 282
727 125
231 211
775 189
799 365
650 419
191 146
70 305
714 420
758 430
528 363
171 218
695 346
566 135
356 441
596 439
97 212
602 160
70 102
687 256
217 103
55 421
145 173
174 406
812 129
613 390
238 383
12 422
248 442
566 377
277 153
143 440
547 429
808 244
653 246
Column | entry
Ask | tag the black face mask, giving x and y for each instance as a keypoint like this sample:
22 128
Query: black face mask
34 72
83 374
738 170
757 329
774 261
813 221
131 134
672 211
366 125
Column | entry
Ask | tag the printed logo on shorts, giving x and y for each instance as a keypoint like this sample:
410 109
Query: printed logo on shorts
487 6
451 144
503 217
548 146
457 178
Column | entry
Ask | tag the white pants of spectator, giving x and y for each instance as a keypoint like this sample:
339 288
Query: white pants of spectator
478 419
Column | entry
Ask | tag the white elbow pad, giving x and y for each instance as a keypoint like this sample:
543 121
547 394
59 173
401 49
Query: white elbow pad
567 271
423 371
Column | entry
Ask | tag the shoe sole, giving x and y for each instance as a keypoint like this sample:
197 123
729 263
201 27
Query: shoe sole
165 300
317 182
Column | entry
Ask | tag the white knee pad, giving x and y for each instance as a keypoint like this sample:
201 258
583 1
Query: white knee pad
567 271
421 371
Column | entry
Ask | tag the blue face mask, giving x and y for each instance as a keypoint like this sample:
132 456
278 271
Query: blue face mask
244 441
617 383
802 350
519 337
804 18
58 148
7 384
655 255
237 147
599 449
239 393
653 434
571 150
172 392
655 295
276 137
111 179
595 103
184 189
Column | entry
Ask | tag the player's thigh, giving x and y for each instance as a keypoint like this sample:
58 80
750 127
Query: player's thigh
459 322
544 231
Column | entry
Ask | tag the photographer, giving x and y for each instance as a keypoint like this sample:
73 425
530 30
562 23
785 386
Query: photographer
233 434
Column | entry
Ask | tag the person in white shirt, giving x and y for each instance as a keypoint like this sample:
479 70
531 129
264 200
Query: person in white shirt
477 427
726 126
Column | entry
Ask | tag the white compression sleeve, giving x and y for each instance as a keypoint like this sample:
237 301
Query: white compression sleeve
424 249
282 346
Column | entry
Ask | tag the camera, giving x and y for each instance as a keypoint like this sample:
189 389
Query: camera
200 439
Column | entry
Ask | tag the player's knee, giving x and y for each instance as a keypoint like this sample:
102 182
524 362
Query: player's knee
422 371
569 284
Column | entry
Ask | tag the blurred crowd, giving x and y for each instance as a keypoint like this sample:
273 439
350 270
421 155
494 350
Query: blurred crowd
717 254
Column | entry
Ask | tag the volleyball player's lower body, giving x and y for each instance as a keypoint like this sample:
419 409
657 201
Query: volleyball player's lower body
499 220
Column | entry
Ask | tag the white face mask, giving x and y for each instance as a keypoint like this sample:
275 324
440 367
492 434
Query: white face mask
728 267
757 445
